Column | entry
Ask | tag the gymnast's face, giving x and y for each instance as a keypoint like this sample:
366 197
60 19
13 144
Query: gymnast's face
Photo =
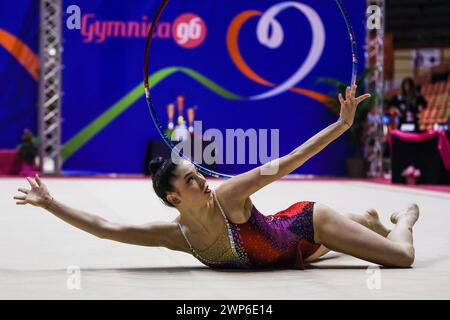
191 186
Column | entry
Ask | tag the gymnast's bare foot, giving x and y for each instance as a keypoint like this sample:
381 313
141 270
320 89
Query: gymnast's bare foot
375 224
411 213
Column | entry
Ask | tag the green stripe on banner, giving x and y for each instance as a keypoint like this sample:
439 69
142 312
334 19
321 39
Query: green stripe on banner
211 85
88 132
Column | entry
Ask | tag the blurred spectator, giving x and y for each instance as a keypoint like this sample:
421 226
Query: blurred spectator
27 152
408 104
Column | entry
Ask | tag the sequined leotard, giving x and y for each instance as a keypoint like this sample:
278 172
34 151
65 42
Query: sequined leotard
284 239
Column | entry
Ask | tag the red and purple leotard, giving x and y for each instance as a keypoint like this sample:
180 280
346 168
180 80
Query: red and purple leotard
283 239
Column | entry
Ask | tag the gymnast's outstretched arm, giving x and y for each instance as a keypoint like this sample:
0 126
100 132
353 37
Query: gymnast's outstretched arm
151 234
244 185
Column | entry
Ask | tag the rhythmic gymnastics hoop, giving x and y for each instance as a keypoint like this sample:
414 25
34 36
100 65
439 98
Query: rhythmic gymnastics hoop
158 125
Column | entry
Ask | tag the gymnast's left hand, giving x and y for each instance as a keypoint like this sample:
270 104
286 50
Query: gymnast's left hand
38 196
349 105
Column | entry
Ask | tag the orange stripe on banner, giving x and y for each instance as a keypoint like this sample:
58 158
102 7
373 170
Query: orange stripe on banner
233 49
24 55
312 94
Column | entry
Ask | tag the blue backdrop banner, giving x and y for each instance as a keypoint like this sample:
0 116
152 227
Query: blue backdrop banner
241 64
19 64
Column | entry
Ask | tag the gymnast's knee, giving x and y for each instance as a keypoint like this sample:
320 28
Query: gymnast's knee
406 256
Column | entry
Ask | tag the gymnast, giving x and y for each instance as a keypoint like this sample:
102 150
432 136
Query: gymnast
223 229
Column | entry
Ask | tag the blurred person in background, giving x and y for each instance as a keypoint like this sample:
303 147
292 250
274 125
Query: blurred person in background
408 104
27 153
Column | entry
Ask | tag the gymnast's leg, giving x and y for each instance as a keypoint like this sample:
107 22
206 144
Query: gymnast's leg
341 234
370 219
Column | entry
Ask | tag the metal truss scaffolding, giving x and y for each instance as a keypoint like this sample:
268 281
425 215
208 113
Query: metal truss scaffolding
49 114
375 84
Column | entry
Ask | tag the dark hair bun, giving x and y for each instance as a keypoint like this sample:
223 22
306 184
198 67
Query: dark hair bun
155 165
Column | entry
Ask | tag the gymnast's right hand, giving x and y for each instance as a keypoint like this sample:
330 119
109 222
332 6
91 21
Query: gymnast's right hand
349 105
38 195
